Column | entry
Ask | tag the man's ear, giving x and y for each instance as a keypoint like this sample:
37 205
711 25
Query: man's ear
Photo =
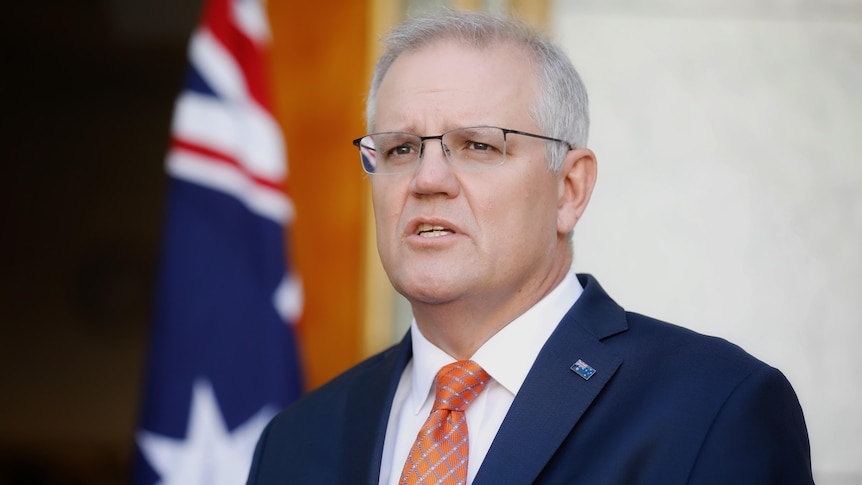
576 180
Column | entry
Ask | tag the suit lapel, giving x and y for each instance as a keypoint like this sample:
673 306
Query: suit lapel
554 397
369 403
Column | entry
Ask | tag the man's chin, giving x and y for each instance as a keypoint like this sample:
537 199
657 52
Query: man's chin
430 290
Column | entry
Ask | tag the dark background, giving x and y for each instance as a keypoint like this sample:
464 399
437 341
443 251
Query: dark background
88 91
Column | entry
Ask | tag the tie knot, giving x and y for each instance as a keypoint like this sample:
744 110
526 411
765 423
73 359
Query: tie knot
458 384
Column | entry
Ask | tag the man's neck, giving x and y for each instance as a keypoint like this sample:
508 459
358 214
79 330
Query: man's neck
461 326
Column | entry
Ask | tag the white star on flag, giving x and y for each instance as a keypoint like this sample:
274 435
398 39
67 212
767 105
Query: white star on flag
210 454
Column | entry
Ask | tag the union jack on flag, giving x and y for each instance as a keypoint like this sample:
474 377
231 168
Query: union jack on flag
222 357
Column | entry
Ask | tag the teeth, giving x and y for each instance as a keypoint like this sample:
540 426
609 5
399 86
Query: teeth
428 227
427 230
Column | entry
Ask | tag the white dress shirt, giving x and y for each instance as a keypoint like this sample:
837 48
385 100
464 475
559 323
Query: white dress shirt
507 357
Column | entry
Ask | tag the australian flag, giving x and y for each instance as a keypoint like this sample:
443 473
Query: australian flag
222 358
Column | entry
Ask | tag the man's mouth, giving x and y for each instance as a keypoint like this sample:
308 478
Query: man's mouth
427 230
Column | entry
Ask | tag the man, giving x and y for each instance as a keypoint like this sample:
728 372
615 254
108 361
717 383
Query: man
479 174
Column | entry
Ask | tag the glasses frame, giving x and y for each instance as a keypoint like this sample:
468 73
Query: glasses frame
422 139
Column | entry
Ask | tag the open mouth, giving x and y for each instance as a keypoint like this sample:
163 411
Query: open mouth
428 230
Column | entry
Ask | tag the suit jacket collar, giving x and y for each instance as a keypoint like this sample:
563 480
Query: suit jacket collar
554 397
596 312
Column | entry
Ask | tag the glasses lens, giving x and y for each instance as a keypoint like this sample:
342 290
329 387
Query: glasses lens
475 148
368 154
389 152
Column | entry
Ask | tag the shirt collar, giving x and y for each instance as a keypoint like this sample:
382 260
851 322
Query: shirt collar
527 333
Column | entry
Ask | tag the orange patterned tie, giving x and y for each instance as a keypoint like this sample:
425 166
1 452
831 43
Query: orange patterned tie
439 455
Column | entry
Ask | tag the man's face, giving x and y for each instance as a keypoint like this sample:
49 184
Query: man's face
447 235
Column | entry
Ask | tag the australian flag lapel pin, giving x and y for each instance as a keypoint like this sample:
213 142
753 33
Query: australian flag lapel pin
583 369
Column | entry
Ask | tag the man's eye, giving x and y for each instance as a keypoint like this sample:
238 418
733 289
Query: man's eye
403 151
479 147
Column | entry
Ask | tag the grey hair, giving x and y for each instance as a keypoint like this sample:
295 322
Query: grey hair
562 108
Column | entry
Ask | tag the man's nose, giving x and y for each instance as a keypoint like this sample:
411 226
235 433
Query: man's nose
434 173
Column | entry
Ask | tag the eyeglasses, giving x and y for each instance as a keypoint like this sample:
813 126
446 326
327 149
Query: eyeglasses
473 148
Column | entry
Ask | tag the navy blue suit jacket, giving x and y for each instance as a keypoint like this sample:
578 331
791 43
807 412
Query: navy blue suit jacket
665 406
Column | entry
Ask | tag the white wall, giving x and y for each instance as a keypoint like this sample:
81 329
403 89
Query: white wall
729 197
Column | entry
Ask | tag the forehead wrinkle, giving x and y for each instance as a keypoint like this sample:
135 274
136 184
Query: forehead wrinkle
423 125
